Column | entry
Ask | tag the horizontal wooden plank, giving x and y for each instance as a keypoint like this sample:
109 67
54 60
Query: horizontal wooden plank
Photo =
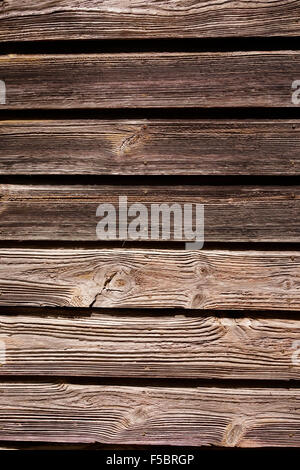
243 79
202 416
148 147
70 19
232 213
203 279
146 346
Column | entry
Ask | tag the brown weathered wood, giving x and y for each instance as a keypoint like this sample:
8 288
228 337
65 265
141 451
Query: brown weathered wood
232 213
243 79
70 19
68 412
143 346
148 147
203 279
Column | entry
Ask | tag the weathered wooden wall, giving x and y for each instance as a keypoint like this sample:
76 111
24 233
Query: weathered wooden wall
148 343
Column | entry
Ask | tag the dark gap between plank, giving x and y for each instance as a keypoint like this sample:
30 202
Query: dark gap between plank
65 449
174 114
145 245
151 180
82 46
155 382
86 312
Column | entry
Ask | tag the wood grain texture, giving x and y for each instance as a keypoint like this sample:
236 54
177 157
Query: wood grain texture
70 19
203 279
236 79
146 346
232 213
150 147
203 416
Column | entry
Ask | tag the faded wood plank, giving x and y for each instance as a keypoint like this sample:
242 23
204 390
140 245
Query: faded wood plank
243 79
232 213
203 279
150 147
203 416
143 346
70 19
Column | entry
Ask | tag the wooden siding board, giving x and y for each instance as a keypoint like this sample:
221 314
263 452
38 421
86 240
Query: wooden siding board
150 147
232 213
203 416
145 80
70 19
173 346
203 279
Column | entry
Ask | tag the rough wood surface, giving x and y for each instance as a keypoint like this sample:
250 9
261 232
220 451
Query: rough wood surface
237 79
232 213
68 412
203 279
70 19
146 346
148 147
